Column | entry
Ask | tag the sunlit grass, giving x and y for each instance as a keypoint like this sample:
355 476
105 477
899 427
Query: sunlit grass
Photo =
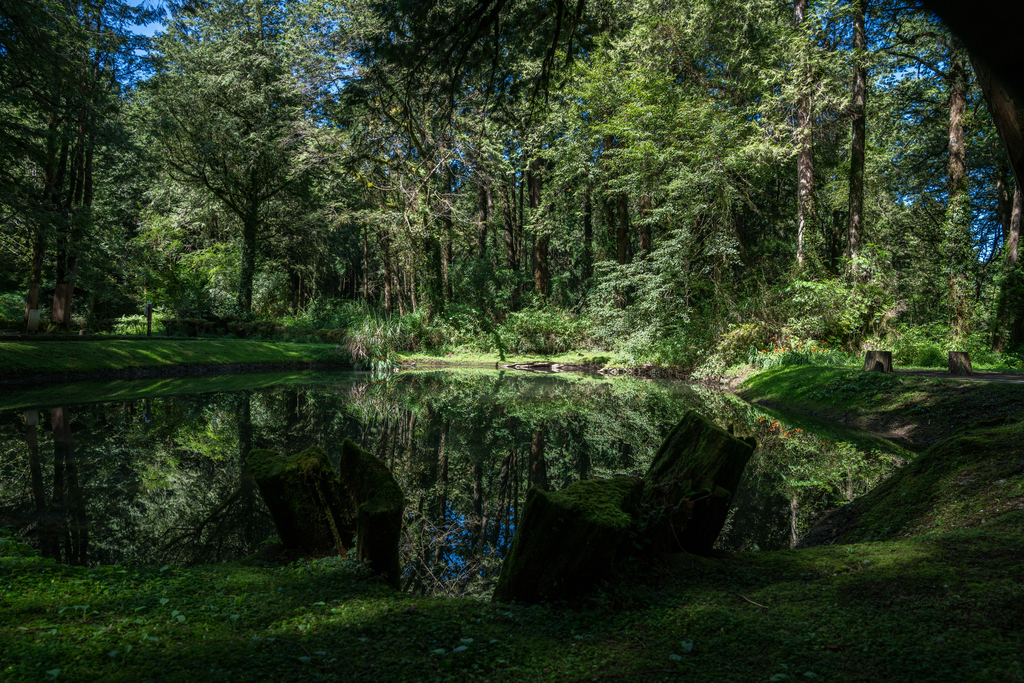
27 358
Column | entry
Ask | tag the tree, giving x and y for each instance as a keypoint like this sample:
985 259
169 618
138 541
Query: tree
225 112
858 111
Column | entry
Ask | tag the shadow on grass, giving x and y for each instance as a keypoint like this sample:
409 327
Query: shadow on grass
932 608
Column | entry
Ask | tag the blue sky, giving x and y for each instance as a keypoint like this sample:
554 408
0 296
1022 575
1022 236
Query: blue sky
151 28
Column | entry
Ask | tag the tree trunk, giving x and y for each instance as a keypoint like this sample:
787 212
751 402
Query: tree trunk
805 137
483 197
855 224
958 247
247 271
538 464
1006 114
588 235
1008 330
541 275
510 236
646 240
385 248
877 361
960 363
622 229
542 239
1013 235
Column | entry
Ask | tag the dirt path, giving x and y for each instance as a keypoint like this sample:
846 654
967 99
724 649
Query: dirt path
978 376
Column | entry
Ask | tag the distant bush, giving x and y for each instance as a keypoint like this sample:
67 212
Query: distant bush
543 330
136 324
927 346
798 352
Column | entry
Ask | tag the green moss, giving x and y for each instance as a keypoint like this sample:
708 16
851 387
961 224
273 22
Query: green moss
944 607
969 480
921 409
607 502
304 498
32 359
690 484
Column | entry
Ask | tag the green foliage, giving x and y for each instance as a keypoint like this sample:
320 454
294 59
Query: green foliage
797 352
12 310
136 324
927 346
543 330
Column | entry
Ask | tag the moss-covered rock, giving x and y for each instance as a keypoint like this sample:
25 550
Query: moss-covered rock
567 540
301 491
379 504
690 486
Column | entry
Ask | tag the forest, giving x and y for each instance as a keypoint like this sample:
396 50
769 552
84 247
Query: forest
510 340
683 183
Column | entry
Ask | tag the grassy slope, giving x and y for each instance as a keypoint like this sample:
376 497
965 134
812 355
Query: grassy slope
932 608
921 409
972 480
28 358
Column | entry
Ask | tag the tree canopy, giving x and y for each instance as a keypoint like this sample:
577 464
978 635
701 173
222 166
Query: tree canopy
657 174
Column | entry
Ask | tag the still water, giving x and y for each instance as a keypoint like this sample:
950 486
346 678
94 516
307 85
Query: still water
155 473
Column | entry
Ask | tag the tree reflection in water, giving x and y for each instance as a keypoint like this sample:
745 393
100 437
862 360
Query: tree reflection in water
164 479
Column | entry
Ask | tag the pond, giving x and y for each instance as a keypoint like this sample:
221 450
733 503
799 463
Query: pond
154 472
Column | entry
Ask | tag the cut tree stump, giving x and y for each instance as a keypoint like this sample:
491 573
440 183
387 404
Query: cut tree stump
309 509
379 504
568 540
877 361
690 485
960 363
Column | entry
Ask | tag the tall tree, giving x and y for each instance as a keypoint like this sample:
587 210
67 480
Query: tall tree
225 112
805 142
858 111
958 246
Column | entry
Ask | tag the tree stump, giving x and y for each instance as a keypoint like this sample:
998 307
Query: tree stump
690 486
379 504
877 361
960 363
568 540
302 494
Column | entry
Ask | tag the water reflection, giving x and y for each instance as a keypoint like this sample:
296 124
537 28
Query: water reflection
163 479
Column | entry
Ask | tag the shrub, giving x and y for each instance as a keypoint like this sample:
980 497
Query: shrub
136 324
543 330
798 352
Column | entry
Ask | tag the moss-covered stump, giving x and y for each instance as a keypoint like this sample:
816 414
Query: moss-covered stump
567 540
301 491
690 485
379 504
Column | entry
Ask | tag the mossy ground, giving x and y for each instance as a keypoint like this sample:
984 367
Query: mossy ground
31 359
919 409
933 608
972 480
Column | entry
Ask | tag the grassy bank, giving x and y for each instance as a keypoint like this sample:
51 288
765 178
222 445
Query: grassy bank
946 607
974 480
25 359
74 393
920 409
